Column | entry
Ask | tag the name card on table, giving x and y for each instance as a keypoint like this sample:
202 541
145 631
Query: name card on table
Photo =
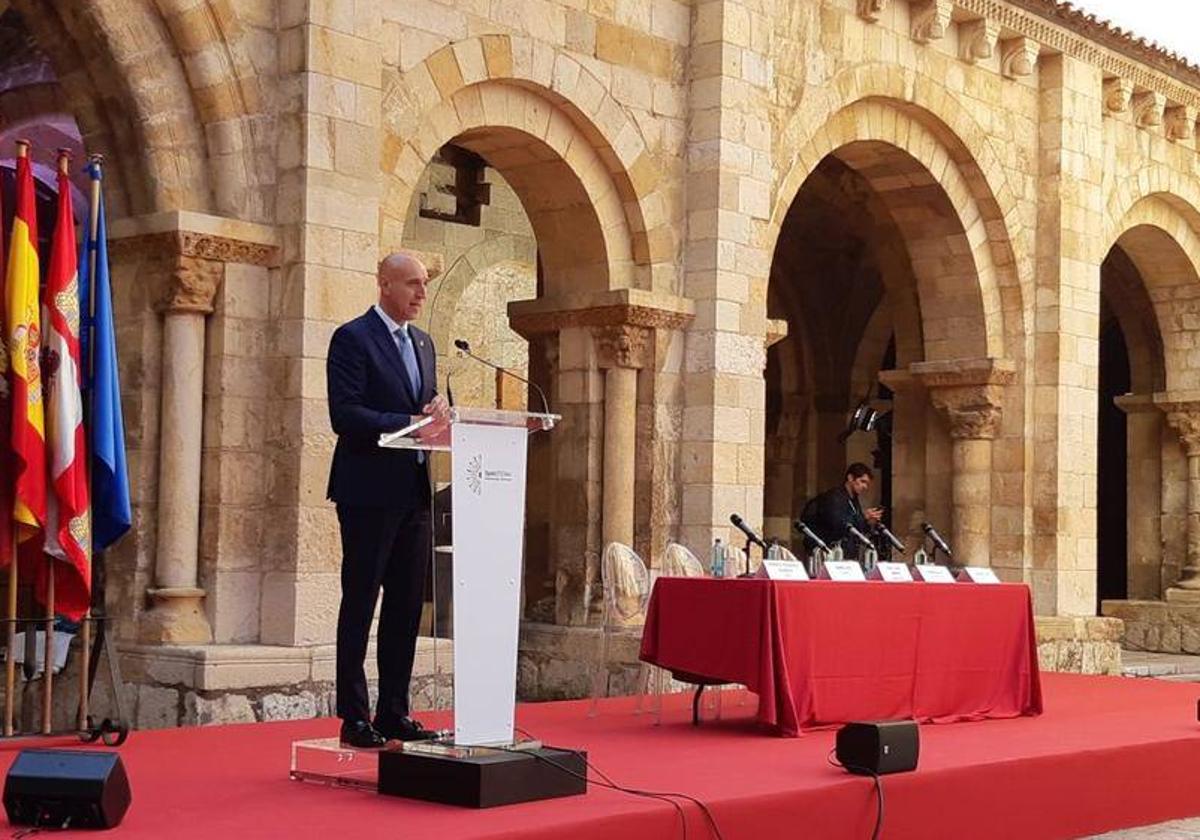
891 572
932 573
842 570
977 574
782 570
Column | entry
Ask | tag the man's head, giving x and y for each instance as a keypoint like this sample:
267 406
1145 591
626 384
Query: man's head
402 282
858 478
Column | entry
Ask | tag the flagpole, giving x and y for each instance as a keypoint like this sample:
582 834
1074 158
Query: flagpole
85 636
10 664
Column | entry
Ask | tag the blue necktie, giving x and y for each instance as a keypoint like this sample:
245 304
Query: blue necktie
409 357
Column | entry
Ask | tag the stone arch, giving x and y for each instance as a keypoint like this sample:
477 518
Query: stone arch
225 66
1159 240
483 82
885 141
124 84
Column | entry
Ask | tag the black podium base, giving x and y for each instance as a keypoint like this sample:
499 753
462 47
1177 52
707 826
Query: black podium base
486 780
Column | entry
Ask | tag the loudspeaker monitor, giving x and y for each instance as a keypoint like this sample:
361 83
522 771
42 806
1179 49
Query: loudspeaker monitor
882 747
79 788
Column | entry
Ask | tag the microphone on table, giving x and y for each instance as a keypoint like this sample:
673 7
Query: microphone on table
808 534
463 345
860 536
890 537
741 525
933 535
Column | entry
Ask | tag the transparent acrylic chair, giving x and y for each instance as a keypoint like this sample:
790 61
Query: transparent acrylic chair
679 561
626 583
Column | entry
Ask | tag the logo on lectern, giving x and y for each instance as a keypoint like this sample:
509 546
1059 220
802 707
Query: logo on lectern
475 474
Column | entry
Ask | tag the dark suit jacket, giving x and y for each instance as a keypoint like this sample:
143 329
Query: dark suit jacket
830 514
369 393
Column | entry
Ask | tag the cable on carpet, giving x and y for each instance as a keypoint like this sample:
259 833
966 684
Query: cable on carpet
607 782
878 789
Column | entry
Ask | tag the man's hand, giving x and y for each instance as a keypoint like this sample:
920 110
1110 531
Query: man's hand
874 515
438 409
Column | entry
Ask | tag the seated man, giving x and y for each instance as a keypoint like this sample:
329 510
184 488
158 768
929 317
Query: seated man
831 514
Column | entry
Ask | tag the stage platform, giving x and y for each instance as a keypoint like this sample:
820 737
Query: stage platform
1108 753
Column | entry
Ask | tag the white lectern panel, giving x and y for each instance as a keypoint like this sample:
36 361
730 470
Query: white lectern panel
489 524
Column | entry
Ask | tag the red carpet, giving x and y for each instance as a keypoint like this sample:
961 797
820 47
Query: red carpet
1107 753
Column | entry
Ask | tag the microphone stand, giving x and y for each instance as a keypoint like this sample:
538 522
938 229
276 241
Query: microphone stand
747 574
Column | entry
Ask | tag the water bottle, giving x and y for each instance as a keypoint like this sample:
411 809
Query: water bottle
920 558
870 559
718 559
773 552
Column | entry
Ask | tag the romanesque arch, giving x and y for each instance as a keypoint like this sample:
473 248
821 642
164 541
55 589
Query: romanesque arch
472 90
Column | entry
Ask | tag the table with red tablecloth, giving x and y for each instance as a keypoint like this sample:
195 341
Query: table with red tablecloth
822 652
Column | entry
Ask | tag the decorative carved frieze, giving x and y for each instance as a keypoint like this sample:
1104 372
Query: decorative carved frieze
1148 108
1066 29
1180 121
871 10
534 323
1118 93
1018 57
930 19
977 39
623 346
185 243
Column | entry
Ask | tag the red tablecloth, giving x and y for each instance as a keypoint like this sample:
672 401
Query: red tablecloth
820 652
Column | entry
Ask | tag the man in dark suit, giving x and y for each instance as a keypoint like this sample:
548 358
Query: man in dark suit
381 375
831 514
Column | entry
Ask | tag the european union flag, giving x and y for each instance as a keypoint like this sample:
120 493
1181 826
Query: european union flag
111 512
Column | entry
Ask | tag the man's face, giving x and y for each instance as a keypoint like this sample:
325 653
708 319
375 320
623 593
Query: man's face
859 486
402 290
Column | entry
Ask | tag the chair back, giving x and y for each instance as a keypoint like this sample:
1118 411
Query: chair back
786 554
679 561
626 585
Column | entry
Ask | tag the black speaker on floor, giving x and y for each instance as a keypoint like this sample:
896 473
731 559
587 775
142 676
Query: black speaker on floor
884 747
79 788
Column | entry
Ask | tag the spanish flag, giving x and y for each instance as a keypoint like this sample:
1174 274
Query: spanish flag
25 346
67 532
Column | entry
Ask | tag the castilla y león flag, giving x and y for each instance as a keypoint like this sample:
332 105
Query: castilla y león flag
67 520
25 343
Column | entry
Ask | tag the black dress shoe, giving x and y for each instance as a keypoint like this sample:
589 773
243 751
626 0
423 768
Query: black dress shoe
403 729
361 735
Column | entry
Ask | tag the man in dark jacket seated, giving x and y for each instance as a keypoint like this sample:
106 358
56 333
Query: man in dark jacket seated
831 514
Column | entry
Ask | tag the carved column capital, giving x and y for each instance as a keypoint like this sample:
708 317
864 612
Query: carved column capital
193 285
624 346
930 19
871 10
969 393
1183 415
1187 424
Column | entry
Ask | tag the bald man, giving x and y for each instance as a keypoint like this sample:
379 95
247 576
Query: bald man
381 376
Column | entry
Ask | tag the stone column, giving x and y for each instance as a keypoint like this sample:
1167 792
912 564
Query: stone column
604 346
1183 415
177 613
1146 551
969 395
621 353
